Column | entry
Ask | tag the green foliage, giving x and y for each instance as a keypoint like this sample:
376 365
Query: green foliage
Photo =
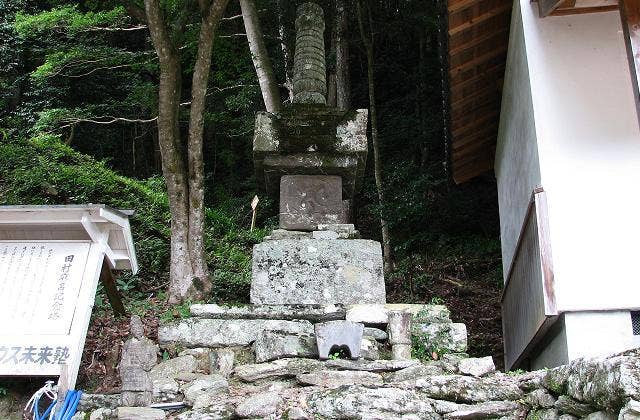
180 311
43 170
67 18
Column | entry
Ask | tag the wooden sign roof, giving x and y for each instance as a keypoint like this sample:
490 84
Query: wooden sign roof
478 37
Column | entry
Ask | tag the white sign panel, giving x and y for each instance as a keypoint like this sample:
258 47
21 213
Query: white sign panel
40 283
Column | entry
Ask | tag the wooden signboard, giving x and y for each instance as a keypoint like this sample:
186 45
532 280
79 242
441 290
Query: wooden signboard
48 285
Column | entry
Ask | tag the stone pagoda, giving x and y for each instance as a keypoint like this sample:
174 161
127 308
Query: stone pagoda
312 157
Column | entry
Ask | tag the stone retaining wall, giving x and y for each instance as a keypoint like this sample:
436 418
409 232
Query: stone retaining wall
260 362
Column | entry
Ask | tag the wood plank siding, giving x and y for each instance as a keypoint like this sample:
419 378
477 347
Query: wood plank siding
478 38
478 34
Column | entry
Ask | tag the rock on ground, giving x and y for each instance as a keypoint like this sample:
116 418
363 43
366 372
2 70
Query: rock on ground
272 345
465 388
277 368
315 313
371 365
139 413
605 383
199 332
259 405
477 366
490 409
172 368
337 378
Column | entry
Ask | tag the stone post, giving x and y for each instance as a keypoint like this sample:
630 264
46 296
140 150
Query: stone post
309 73
139 356
399 329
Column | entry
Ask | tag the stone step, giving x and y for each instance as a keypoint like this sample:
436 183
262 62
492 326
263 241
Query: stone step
214 333
314 313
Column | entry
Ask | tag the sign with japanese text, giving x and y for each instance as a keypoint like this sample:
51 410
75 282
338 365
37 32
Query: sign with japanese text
40 283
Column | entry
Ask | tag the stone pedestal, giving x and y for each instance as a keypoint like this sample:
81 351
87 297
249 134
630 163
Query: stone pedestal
317 271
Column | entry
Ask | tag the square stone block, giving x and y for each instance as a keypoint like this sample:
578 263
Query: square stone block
310 140
309 200
309 271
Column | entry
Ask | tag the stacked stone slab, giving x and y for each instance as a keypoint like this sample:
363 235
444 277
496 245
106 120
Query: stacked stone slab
312 158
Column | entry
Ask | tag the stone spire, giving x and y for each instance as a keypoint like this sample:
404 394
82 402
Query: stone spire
309 72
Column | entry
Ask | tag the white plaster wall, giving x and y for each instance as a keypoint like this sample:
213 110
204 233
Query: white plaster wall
590 334
589 153
516 164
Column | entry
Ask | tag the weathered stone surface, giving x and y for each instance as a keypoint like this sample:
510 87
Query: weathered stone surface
222 361
359 402
139 356
311 140
604 383
450 337
339 271
477 366
309 74
337 378
568 405
171 368
217 411
600 415
201 392
331 335
543 414
370 366
540 398
375 333
259 405
324 234
344 230
277 368
165 389
414 372
314 313
450 361
90 402
399 330
376 314
277 234
198 332
631 411
272 345
309 200
297 413
567 417
530 381
465 388
370 349
490 409
102 414
202 355
139 413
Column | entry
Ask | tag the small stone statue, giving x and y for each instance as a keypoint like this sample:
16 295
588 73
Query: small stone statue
139 355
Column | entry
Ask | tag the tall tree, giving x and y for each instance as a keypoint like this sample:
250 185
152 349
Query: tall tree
368 38
343 88
182 161
260 57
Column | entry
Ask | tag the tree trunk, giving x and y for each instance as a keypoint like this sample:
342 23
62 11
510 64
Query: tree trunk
188 272
286 50
343 89
367 40
260 57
